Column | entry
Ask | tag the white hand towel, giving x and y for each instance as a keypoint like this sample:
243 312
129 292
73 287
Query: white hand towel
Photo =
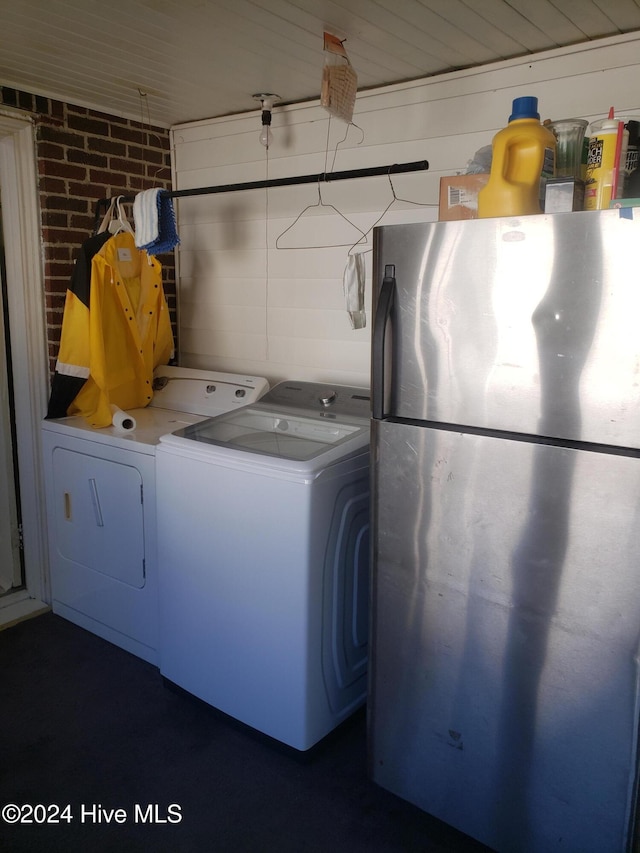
145 217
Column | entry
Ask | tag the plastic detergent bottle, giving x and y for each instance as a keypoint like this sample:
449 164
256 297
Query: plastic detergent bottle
523 154
608 142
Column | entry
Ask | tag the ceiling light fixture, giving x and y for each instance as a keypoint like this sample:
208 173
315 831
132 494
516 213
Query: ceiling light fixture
267 100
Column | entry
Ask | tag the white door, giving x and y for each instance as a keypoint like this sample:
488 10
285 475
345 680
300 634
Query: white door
10 558
25 308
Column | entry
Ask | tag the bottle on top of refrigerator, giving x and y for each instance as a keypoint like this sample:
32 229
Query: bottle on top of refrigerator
523 158
632 161
606 161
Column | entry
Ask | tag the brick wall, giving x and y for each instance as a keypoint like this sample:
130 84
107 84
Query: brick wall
83 156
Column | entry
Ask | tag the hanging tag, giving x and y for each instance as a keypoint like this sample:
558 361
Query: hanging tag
334 45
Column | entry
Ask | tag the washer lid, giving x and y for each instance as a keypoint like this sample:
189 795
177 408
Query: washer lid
284 435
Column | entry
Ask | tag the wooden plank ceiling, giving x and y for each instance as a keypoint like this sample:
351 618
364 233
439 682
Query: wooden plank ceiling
170 61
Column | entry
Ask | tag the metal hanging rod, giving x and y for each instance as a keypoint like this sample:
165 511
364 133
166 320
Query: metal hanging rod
395 169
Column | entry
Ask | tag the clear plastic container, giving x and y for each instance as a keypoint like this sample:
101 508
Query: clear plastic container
523 156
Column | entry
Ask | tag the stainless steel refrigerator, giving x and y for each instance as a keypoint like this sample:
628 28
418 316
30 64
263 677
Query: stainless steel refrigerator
505 681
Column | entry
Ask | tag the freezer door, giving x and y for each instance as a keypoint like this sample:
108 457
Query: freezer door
527 325
506 623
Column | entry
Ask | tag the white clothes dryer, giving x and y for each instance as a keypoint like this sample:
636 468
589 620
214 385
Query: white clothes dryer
265 581
101 504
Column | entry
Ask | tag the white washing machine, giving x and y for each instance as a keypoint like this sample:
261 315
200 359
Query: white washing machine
101 505
265 581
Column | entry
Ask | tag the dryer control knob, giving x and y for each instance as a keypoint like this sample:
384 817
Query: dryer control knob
328 398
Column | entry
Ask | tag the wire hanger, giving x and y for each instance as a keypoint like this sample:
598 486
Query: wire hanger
394 199
319 204
343 140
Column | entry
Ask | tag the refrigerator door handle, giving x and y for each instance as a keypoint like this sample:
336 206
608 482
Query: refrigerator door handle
383 312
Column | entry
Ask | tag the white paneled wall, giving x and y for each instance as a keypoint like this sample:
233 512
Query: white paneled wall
262 293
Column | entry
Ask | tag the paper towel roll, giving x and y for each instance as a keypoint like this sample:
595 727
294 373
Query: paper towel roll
122 420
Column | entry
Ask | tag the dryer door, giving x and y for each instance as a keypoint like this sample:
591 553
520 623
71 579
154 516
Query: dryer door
98 515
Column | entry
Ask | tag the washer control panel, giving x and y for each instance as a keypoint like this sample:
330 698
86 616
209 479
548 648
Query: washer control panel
326 400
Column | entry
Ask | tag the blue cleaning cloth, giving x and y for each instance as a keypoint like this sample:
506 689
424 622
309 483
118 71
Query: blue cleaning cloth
155 222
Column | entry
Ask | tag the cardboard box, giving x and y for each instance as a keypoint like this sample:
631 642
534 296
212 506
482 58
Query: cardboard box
459 196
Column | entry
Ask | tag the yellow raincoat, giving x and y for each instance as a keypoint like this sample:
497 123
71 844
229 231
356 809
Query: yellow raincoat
116 341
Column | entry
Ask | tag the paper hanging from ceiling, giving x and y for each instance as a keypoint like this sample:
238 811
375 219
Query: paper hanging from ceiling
339 80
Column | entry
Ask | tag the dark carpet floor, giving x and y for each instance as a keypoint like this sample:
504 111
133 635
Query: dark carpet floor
86 725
